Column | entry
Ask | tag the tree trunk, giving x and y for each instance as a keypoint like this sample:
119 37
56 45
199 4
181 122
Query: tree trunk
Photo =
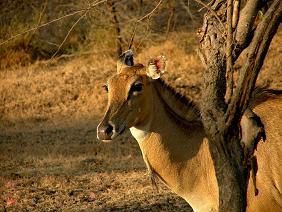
221 116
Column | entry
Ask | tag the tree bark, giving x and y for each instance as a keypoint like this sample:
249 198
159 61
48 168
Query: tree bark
220 117
231 175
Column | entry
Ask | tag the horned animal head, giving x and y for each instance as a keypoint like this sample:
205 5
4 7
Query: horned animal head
129 95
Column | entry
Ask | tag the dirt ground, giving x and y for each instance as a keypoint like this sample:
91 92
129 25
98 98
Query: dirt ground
50 159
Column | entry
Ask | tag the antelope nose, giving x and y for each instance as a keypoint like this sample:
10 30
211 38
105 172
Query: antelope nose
105 131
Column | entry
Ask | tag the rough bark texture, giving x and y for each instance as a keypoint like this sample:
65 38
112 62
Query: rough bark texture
221 118
246 19
213 110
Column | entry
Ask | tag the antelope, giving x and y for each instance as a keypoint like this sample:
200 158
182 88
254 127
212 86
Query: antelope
172 140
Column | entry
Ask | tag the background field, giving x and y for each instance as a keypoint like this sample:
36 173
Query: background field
50 158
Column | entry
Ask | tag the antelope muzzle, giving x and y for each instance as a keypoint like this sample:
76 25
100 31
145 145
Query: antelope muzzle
107 131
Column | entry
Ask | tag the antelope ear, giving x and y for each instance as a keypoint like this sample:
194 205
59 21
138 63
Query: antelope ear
156 67
125 59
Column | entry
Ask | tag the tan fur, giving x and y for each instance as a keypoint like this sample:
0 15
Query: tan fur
173 143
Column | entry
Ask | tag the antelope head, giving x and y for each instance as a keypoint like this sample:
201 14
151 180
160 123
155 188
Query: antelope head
129 95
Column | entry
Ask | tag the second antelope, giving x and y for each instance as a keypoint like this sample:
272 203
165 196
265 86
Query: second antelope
171 137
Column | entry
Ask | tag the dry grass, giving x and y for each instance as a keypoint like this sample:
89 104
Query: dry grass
50 158
94 192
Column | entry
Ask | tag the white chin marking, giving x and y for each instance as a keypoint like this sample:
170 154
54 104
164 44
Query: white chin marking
139 134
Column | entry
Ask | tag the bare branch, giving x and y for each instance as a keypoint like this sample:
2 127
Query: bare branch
70 30
73 26
229 41
38 27
172 14
39 21
235 16
146 34
41 14
187 10
52 21
256 54
246 20
150 13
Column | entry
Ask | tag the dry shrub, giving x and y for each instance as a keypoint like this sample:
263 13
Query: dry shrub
18 16
13 58
96 31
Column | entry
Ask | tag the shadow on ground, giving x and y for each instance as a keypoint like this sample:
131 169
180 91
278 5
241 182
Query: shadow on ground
68 169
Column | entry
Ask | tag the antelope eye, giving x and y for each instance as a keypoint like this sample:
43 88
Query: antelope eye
106 88
137 87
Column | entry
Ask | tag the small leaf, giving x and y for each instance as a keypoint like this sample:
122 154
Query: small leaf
260 14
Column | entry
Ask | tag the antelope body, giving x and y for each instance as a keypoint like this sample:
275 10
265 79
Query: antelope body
171 137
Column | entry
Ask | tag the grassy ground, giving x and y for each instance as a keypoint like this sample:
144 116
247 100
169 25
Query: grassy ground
50 158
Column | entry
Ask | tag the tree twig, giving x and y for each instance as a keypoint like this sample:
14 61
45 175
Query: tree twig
50 22
42 25
40 16
186 7
172 11
148 15
151 12
67 35
144 37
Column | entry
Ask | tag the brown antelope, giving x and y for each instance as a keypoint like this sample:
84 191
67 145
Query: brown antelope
171 137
